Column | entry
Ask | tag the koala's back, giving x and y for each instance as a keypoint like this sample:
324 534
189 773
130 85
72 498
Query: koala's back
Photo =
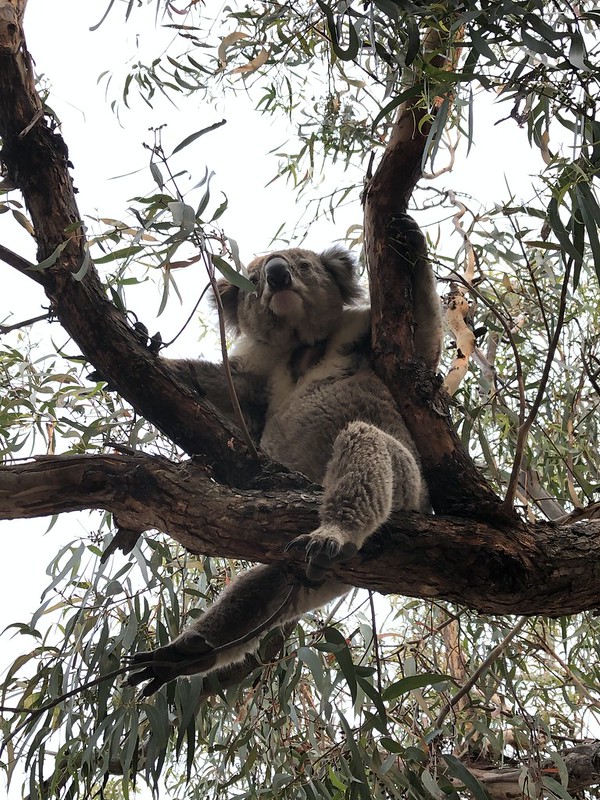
312 402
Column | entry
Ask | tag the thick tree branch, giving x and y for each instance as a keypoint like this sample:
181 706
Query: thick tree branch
456 487
520 569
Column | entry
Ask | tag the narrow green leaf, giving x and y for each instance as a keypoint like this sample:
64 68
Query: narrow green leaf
353 41
590 213
414 41
458 770
560 230
157 175
85 265
314 663
414 91
577 51
52 258
389 8
343 657
232 276
431 785
125 253
372 693
405 685
193 136
556 788
482 46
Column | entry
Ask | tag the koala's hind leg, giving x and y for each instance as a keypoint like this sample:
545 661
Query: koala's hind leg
223 635
370 472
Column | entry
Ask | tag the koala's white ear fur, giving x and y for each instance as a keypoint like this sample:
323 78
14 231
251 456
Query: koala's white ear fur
342 266
229 299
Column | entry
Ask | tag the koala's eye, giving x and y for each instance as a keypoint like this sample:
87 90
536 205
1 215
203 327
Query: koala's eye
253 278
304 264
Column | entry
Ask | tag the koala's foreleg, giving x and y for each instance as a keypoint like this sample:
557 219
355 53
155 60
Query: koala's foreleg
370 472
232 627
209 380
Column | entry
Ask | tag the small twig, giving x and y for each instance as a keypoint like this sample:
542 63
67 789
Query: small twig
525 426
239 416
497 651
187 322
375 642
21 264
25 323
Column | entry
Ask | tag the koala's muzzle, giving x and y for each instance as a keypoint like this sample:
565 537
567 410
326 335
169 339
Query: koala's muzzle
277 273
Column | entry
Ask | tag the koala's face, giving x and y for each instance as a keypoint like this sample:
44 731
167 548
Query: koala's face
298 299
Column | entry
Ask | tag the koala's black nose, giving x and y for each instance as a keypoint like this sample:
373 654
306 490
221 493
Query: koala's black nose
277 271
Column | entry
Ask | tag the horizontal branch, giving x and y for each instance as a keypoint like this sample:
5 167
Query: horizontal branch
519 569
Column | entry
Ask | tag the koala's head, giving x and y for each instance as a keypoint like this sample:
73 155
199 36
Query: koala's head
298 299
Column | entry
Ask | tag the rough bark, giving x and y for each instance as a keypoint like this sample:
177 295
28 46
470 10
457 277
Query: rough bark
519 569
456 487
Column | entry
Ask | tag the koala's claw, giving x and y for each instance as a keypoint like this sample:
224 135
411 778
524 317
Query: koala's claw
322 552
191 653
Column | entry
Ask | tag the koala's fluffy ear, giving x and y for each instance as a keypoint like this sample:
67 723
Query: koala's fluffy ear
229 299
342 266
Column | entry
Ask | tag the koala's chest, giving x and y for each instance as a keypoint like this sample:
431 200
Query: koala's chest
307 368
306 412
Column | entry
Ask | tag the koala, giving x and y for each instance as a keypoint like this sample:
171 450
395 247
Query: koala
301 370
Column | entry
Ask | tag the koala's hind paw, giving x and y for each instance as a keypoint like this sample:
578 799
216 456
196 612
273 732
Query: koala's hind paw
324 547
188 654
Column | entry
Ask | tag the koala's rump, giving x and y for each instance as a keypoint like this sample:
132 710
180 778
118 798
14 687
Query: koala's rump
300 433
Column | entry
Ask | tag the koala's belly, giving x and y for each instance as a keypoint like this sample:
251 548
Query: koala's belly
301 431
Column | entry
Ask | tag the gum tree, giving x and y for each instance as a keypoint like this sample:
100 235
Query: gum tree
439 700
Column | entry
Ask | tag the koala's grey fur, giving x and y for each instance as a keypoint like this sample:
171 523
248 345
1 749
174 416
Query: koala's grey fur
301 369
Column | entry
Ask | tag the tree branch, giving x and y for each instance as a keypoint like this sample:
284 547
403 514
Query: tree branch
456 487
36 160
520 569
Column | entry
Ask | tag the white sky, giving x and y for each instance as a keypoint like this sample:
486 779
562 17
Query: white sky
102 148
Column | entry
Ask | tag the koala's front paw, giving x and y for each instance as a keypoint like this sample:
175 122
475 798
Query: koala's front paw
188 654
324 547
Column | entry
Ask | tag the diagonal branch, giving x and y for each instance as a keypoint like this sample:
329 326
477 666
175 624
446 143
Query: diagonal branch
36 160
